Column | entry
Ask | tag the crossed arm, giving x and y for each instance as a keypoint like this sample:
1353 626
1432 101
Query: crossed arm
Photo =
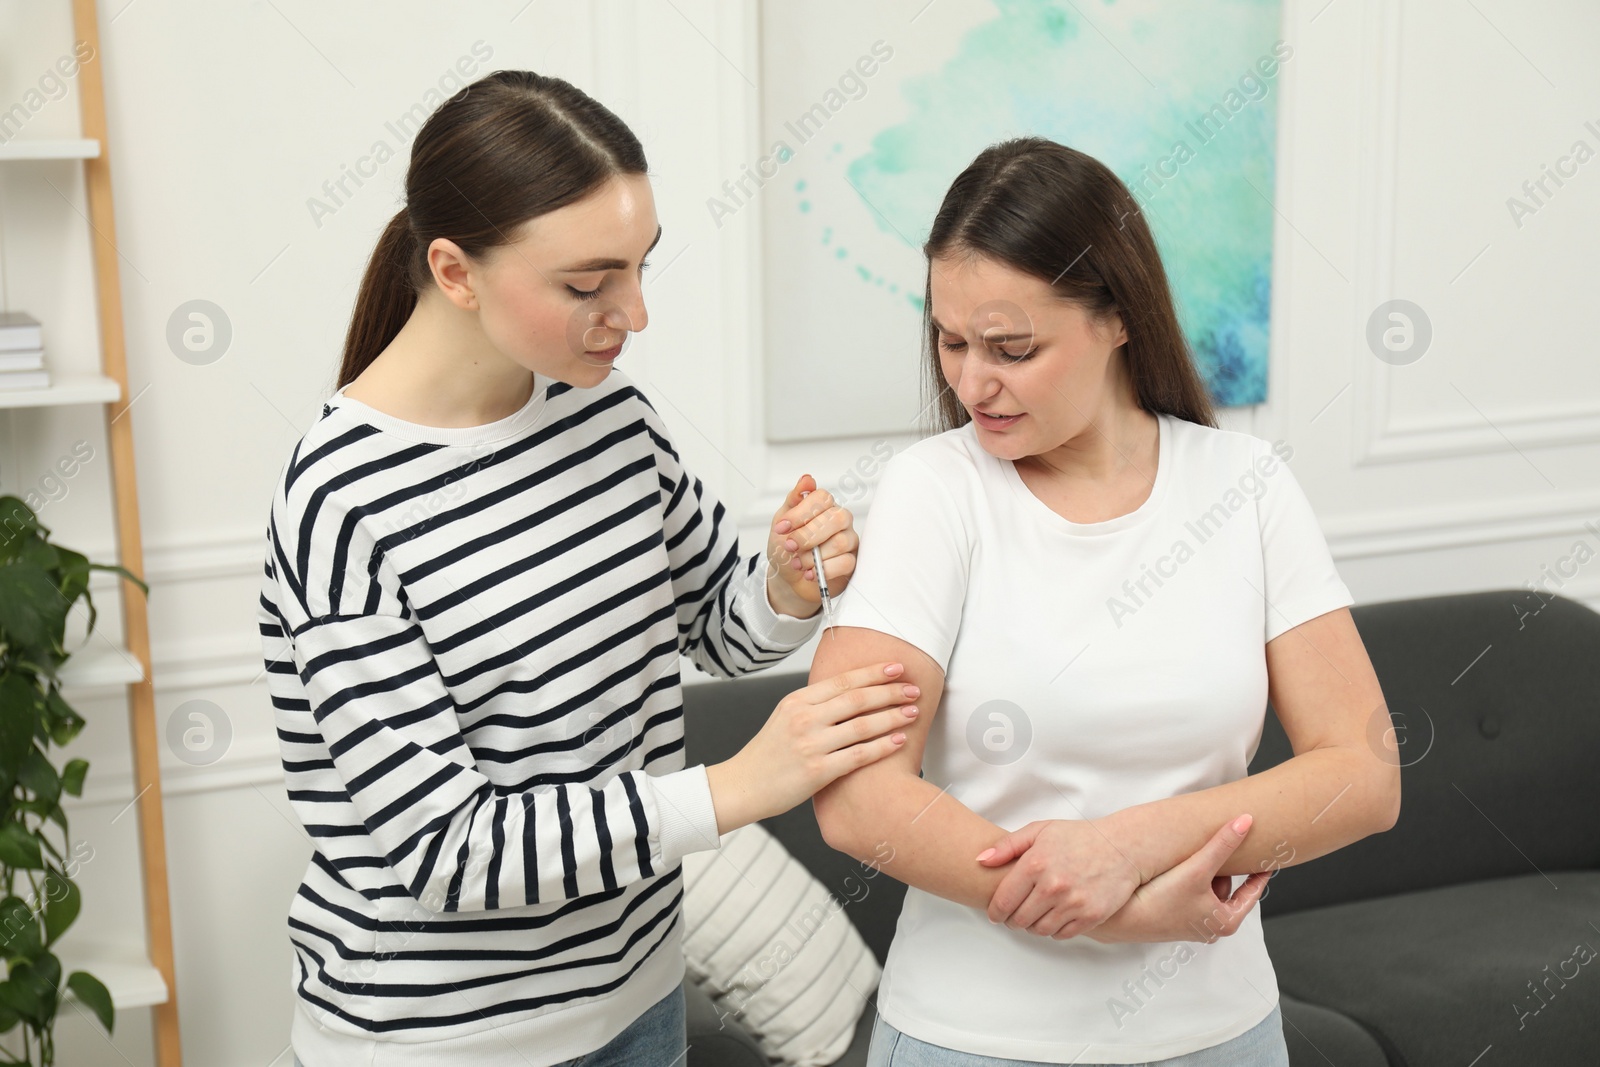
1342 784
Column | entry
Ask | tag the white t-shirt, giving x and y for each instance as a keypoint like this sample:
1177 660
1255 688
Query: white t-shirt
1088 667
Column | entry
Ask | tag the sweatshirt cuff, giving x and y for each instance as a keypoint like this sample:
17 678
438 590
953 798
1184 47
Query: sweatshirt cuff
688 819
774 631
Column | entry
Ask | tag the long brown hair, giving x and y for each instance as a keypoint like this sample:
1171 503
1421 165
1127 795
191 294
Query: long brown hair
509 147
1047 210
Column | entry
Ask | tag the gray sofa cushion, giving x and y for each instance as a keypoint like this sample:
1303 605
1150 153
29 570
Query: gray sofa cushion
1318 1037
1439 975
713 1041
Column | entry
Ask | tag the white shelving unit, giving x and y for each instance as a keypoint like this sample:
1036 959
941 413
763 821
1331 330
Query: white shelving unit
96 668
138 972
67 388
75 148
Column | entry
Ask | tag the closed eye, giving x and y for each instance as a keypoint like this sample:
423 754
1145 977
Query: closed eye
590 294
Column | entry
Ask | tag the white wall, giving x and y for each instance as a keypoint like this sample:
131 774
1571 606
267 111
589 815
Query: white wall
1404 129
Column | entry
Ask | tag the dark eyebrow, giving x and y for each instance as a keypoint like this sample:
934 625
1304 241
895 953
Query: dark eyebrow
999 338
609 264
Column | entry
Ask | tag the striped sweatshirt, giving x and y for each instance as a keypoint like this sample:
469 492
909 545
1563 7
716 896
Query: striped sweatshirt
472 639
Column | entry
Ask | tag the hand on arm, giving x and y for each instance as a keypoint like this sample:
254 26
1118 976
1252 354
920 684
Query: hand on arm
934 837
814 735
1341 785
1190 902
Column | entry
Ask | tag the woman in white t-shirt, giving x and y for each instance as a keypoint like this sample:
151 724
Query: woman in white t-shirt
1097 590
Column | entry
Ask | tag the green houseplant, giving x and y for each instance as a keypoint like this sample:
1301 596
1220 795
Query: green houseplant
40 583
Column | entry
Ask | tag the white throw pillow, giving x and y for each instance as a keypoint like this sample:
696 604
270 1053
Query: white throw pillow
773 948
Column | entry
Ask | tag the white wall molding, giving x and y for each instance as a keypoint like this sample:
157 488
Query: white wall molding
1460 526
1378 168
1380 434
1435 437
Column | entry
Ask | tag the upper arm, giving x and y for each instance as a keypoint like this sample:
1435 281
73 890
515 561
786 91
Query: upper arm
838 804
1325 692
844 648
903 603
1319 678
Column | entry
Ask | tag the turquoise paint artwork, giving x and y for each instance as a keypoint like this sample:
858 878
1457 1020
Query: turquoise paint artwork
1178 99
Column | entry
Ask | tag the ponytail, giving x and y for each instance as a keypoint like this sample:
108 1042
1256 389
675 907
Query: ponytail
522 144
388 295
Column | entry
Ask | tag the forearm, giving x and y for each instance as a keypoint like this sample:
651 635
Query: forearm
933 839
1309 805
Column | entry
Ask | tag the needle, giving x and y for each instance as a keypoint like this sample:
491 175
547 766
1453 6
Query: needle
822 585
822 579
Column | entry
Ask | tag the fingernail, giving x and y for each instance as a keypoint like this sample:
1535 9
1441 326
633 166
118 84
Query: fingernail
785 526
1241 824
912 691
985 854
898 738
911 712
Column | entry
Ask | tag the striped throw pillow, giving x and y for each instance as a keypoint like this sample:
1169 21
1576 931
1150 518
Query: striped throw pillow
774 949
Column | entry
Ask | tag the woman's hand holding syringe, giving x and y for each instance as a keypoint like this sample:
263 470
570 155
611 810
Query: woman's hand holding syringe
811 550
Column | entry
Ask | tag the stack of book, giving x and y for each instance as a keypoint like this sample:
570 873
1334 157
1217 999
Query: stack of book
21 352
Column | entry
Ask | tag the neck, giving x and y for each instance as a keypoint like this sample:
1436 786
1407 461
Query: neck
1120 435
441 370
1118 439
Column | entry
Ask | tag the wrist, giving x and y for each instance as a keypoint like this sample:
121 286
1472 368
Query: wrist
1121 829
783 600
730 796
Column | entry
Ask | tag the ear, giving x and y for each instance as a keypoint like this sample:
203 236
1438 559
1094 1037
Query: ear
452 271
1111 326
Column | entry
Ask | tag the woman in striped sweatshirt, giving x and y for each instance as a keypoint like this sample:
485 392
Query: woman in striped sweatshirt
483 563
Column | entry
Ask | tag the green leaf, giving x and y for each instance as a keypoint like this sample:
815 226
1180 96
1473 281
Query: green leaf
64 722
32 611
73 570
41 553
19 848
62 903
19 993
72 776
19 929
94 995
47 976
19 710
18 525
38 776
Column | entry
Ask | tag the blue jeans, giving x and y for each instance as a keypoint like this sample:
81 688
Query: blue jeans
658 1036
1260 1046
